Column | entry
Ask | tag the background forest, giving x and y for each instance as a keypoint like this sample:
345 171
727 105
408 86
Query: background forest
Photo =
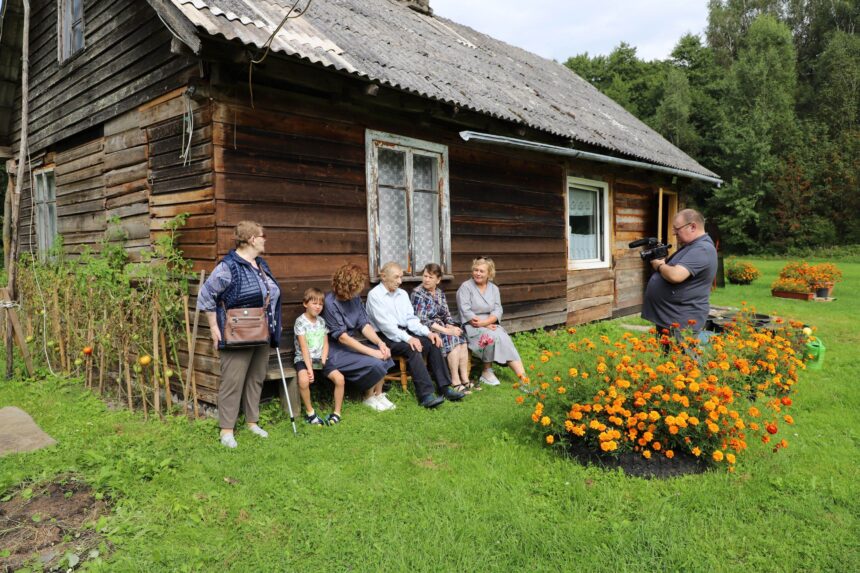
769 99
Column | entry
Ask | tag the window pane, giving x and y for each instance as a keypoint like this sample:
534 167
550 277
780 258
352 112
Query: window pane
425 229
393 241
584 224
77 37
424 173
392 168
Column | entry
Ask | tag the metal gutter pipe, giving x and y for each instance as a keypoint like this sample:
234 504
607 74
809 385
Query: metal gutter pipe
567 152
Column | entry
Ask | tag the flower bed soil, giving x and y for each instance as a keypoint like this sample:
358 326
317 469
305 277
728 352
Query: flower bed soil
633 464
41 524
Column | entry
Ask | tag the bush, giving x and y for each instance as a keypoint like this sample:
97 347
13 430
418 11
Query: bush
812 276
628 395
790 285
741 273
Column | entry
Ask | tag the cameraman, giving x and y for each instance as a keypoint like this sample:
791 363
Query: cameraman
679 290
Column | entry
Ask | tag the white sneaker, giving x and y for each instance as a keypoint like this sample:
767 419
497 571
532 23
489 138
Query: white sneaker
489 378
259 431
374 403
383 399
227 440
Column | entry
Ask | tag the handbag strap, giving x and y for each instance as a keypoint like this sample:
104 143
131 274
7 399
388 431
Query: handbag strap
266 299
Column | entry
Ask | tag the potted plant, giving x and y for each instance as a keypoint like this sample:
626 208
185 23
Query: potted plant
791 288
822 278
741 273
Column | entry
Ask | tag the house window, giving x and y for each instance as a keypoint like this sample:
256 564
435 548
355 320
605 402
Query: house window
71 27
46 210
587 224
408 211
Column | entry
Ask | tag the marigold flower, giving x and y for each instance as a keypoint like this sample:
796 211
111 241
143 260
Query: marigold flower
561 390
646 454
730 458
550 439
573 372
786 401
520 399
544 358
697 451
673 430
771 428
788 419
656 446
717 455
670 454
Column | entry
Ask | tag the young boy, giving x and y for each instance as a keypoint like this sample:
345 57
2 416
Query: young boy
311 354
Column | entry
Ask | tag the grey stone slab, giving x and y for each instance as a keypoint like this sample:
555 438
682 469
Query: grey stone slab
19 433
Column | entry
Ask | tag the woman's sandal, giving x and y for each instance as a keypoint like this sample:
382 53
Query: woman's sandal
472 386
464 388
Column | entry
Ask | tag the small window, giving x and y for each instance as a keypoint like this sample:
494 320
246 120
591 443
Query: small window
71 27
587 224
46 210
407 203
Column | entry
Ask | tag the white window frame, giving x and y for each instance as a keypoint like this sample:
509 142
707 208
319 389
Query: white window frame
602 188
65 24
373 141
44 198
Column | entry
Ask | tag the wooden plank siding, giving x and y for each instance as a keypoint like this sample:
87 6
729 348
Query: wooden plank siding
126 61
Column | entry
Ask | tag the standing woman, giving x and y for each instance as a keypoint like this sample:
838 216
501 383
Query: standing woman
242 280
431 307
362 364
481 313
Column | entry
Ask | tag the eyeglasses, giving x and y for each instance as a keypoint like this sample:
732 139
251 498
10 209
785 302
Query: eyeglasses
676 229
260 237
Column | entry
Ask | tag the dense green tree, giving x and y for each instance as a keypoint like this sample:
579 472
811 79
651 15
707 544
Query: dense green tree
672 118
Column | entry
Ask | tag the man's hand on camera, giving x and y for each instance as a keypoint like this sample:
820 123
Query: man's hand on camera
657 263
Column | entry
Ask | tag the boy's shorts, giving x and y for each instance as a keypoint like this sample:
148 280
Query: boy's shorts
301 365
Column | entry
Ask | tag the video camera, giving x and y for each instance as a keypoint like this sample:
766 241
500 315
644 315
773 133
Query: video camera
655 250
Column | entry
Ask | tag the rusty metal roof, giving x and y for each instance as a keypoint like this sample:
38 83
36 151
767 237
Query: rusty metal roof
386 42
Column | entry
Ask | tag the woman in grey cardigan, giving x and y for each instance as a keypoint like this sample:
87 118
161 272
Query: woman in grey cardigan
480 309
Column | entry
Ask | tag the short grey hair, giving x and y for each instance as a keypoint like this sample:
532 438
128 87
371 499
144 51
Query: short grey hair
691 216
388 267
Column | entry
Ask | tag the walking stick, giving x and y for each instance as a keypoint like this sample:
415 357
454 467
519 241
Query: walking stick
286 391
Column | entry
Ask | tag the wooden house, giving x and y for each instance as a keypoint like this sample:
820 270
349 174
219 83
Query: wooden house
358 131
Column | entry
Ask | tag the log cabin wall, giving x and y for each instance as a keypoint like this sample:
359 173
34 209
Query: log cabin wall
125 62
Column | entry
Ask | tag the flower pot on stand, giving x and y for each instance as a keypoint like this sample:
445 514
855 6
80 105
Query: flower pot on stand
824 291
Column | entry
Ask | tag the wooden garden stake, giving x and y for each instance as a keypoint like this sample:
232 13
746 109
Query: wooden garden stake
186 382
142 383
58 332
67 314
154 361
127 376
89 357
101 369
167 394
192 348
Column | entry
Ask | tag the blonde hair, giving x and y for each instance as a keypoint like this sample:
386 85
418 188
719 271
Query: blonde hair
491 266
348 281
245 231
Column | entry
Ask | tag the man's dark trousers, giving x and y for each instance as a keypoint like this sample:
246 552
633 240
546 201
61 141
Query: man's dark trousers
420 376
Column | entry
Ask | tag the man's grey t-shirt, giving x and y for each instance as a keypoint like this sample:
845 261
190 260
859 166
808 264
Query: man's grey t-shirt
666 303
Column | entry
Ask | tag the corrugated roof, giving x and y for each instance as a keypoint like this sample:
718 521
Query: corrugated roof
389 43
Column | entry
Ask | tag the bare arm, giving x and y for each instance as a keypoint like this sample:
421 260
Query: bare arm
214 331
674 274
306 356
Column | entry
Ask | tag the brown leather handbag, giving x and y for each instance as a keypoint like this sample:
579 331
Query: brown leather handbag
247 326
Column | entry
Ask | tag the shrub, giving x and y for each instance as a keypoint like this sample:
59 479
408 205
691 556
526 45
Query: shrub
790 285
814 276
741 273
628 395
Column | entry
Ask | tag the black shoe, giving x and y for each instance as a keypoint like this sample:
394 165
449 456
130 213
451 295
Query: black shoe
431 401
386 386
450 394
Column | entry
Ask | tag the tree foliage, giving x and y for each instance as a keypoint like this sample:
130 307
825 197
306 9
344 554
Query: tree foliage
770 100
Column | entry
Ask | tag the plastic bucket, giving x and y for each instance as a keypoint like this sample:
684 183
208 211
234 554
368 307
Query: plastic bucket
815 354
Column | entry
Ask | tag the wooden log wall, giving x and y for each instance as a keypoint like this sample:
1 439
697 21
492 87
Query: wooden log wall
635 218
126 61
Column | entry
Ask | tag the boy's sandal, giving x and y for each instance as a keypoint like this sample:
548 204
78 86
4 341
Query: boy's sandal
464 388
314 419
332 419
474 386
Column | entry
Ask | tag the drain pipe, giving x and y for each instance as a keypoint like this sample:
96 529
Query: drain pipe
575 153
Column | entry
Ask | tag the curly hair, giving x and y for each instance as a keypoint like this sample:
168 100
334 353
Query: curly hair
348 280
491 266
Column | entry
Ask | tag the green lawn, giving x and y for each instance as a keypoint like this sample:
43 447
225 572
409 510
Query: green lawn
465 488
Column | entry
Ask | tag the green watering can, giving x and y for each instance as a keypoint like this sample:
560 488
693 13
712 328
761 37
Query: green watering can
815 354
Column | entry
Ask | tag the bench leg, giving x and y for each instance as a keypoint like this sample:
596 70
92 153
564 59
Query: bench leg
295 400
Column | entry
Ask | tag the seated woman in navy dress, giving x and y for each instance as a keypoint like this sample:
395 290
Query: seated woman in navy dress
363 364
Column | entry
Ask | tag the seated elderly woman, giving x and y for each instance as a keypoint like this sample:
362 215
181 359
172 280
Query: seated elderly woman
481 314
431 307
362 364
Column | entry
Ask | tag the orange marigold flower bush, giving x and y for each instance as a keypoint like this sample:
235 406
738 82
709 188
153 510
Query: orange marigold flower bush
741 273
813 276
628 395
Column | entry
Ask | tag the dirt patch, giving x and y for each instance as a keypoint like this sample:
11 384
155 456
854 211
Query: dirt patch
43 523
633 464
